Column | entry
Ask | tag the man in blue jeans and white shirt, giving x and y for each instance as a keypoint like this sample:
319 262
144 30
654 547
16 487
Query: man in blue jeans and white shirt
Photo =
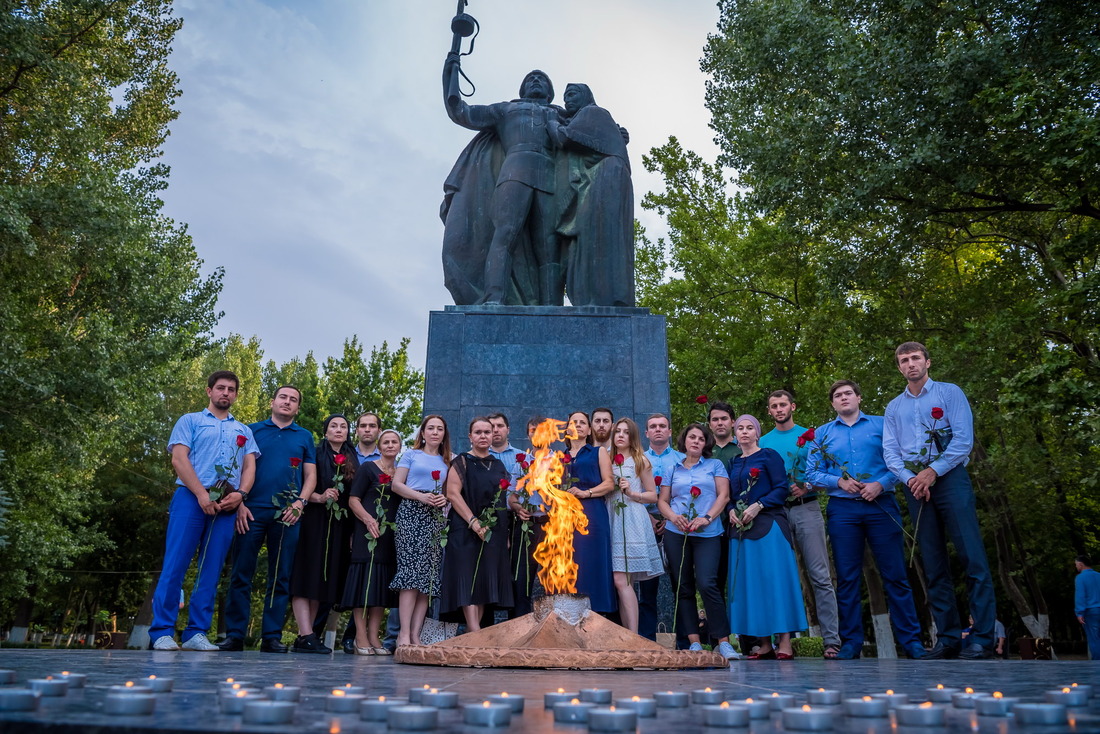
927 437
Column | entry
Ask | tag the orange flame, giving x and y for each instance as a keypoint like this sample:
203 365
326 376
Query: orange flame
557 570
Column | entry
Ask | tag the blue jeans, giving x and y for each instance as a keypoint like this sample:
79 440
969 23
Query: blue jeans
951 514
854 523
1092 631
263 528
190 531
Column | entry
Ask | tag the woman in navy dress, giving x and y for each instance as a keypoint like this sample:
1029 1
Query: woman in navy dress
591 467
765 596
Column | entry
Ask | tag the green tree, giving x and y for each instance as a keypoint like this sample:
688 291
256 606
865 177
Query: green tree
384 383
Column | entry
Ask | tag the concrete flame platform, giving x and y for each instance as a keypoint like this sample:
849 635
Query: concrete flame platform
562 632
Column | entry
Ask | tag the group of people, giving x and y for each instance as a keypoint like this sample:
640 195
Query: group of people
370 527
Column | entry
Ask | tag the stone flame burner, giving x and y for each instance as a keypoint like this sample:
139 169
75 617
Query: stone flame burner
562 632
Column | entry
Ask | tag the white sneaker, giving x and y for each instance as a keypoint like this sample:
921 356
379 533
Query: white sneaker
201 644
695 647
726 650
165 643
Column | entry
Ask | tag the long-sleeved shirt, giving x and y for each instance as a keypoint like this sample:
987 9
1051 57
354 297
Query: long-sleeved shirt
855 449
909 421
1086 592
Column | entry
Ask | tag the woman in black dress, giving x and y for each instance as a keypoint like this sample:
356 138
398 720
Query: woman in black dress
475 564
374 506
321 559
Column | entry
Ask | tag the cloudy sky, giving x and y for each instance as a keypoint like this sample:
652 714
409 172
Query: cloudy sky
312 144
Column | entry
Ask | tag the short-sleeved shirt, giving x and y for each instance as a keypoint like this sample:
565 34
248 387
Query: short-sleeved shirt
213 443
726 454
421 466
785 443
274 474
662 464
701 475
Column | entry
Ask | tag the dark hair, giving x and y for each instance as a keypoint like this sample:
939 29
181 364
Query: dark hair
909 348
377 418
708 447
534 421
493 416
325 450
223 375
844 383
651 416
780 394
603 410
444 446
587 439
724 407
286 387
480 419
1084 560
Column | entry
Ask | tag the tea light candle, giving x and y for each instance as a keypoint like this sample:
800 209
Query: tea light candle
229 685
348 688
76 680
49 686
439 699
279 692
1066 696
995 705
339 702
416 693
596 695
726 715
139 702
1075 686
487 713
807 718
7 677
412 718
376 709
939 694
671 699
559 696
234 703
268 712
965 699
925 714
866 707
758 709
1040 713
514 702
893 700
19 699
644 707
707 696
780 701
155 684
612 719
572 712
823 697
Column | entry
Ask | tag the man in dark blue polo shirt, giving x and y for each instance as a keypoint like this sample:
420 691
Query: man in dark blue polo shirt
286 463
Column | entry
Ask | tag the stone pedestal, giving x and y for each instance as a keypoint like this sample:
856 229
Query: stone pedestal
527 361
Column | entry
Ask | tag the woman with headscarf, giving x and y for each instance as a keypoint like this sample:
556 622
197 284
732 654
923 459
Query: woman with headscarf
765 594
321 559
373 503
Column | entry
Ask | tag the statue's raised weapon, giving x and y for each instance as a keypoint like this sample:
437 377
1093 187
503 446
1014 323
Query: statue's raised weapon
463 25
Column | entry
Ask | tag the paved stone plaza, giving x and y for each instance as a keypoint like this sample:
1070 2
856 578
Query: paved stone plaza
193 706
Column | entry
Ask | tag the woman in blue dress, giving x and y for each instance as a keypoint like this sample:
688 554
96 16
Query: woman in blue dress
591 467
765 595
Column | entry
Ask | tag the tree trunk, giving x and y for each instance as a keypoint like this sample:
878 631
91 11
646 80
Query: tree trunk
22 621
880 615
139 635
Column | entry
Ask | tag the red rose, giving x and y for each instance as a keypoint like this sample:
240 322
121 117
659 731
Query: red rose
241 440
618 460
754 472
937 413
521 457
504 483
695 491
525 465
702 400
295 461
566 458
435 475
384 478
801 441
809 435
339 459
657 481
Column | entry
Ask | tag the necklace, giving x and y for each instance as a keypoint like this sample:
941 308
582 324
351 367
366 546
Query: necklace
485 463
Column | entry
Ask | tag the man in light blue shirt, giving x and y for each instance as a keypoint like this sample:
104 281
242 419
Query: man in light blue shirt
846 459
523 545
214 456
662 457
927 437
367 429
1086 603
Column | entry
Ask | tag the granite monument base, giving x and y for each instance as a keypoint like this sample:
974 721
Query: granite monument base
527 361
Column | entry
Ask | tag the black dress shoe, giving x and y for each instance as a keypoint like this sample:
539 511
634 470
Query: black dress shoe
349 645
273 646
942 652
975 652
311 643
231 644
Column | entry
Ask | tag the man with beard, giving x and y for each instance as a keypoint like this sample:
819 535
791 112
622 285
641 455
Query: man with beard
720 421
367 429
602 421
214 456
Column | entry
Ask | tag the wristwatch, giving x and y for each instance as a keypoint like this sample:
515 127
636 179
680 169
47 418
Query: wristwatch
709 518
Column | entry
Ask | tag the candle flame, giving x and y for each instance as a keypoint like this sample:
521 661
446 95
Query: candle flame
485 704
504 694
821 689
129 684
612 707
561 690
434 690
1065 690
806 707
889 691
939 686
748 700
335 728
926 705
242 694
574 701
235 686
228 680
998 694
278 685
724 705
426 686
381 699
337 692
635 698
866 698
775 694
347 685
1073 685
65 672
707 689
969 690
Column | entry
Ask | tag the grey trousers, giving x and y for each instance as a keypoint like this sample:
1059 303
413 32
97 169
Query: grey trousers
809 532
